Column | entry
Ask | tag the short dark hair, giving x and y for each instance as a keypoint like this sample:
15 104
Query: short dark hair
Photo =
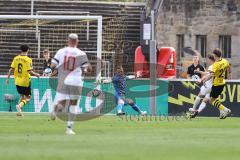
24 48
217 52
211 57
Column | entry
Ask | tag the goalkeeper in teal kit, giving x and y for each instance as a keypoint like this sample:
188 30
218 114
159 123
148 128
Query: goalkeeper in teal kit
119 83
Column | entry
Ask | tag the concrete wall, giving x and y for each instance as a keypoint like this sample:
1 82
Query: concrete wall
200 17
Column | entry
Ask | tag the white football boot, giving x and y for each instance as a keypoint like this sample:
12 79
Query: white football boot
70 132
224 113
19 111
143 113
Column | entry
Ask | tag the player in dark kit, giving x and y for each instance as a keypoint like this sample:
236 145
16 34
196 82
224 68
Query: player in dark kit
119 83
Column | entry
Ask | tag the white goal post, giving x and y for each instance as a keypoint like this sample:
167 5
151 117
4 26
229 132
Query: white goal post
65 17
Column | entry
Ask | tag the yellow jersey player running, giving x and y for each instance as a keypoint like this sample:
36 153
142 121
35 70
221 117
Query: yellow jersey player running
218 73
22 67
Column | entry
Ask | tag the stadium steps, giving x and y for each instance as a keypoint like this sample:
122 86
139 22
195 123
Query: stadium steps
129 30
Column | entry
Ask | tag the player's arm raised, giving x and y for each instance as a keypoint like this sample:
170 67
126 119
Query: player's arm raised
107 81
131 77
114 79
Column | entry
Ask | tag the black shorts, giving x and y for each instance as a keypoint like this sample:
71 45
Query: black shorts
216 91
24 90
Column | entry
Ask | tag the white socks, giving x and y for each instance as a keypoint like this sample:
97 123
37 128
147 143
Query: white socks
70 124
196 102
71 116
201 107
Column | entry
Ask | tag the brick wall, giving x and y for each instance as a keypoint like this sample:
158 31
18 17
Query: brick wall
200 17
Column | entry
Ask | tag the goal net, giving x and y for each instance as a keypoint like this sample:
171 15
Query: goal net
50 32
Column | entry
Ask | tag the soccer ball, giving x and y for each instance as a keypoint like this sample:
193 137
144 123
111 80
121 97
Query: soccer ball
195 77
47 72
191 110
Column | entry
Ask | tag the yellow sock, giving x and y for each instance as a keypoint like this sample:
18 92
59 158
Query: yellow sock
221 107
22 103
218 104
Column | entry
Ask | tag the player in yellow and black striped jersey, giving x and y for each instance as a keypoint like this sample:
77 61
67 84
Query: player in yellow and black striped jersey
22 67
218 72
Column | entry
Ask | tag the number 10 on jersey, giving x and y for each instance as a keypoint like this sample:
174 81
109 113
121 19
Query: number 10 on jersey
69 63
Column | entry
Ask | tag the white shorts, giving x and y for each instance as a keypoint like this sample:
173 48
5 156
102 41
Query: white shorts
61 96
205 91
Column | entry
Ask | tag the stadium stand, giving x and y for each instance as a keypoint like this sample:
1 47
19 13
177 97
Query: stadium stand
121 23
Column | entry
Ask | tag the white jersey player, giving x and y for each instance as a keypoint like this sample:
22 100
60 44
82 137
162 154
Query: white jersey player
204 91
69 62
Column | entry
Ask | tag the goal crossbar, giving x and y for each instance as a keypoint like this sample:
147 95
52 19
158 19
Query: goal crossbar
50 17
62 12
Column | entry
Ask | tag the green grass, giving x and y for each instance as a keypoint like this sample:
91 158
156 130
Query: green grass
34 137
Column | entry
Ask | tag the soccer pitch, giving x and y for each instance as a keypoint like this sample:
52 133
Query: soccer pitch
36 137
